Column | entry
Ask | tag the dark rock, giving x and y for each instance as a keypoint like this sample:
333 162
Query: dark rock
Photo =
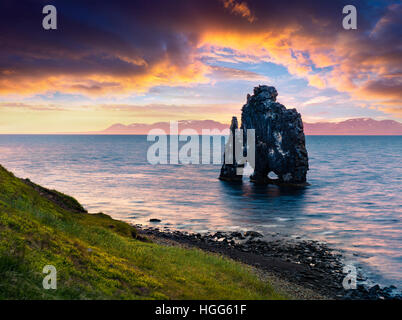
253 234
285 258
237 235
279 140
229 170
154 220
374 290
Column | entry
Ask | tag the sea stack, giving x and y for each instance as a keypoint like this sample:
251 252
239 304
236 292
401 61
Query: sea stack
279 137
230 164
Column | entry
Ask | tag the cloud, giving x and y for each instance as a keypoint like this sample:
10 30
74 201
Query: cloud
173 111
225 73
397 110
316 100
86 55
366 65
128 47
239 8
30 106
390 89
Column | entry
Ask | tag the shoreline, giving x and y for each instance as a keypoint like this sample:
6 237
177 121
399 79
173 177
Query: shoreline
99 258
297 269
306 268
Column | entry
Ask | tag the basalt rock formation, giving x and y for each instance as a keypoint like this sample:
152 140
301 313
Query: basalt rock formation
279 138
229 168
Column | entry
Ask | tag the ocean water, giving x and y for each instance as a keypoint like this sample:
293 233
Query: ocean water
354 202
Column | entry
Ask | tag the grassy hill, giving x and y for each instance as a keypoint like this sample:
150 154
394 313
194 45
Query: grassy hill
98 257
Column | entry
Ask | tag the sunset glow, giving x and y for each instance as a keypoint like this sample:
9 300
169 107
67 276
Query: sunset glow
140 62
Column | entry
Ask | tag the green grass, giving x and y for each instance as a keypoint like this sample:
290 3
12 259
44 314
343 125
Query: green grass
98 257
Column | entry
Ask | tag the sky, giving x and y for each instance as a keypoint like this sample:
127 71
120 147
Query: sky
148 61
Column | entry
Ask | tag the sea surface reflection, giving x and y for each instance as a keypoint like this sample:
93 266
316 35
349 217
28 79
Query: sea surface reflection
354 201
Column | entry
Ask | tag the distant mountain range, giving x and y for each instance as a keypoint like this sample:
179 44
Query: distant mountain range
142 128
360 126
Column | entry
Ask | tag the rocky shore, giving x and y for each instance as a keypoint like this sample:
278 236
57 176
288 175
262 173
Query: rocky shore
306 263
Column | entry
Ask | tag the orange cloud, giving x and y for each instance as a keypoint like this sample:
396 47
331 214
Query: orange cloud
346 62
236 74
99 84
143 45
397 110
239 8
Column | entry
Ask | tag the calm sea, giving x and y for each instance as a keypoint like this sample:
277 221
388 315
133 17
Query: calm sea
354 202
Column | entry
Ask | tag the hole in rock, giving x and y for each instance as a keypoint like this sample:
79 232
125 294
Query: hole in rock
272 175
248 170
